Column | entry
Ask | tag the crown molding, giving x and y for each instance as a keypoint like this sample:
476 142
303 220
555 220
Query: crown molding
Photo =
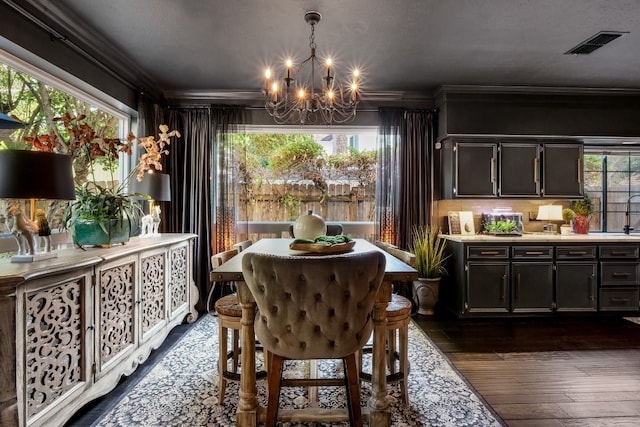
257 95
533 90
64 26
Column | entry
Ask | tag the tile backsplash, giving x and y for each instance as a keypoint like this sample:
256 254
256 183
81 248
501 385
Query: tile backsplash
528 208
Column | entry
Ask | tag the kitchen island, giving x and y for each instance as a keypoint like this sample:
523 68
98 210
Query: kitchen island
542 274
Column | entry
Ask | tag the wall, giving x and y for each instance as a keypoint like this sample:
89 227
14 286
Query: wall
528 208
24 39
538 112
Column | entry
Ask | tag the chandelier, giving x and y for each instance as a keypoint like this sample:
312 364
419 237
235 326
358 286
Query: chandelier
302 99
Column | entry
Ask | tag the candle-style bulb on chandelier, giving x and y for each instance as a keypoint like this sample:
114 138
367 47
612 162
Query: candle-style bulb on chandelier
301 99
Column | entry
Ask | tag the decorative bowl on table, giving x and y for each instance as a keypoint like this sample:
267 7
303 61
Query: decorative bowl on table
324 244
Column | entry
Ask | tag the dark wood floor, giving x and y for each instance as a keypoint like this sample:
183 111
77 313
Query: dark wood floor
577 372
548 372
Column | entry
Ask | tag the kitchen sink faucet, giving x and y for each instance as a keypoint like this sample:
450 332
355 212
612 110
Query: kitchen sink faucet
627 228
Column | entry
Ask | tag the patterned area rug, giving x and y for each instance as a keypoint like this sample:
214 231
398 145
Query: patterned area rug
181 390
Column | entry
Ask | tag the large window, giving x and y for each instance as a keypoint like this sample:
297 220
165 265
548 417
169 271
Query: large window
35 98
612 178
284 175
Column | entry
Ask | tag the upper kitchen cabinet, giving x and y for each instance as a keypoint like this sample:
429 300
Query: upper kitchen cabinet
562 173
470 169
524 168
519 169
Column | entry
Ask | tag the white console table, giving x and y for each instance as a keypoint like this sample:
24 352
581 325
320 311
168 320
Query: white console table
71 326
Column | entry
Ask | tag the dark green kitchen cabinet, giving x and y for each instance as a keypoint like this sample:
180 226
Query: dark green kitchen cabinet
510 168
470 169
576 286
532 286
519 170
562 170
528 276
487 287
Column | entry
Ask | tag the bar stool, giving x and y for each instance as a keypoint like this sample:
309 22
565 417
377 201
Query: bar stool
397 328
229 314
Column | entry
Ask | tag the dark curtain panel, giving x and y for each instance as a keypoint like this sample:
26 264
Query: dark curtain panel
416 173
404 190
226 121
390 124
189 165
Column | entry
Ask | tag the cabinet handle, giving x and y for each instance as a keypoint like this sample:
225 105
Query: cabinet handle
617 274
489 253
577 252
620 253
536 172
579 171
493 169
517 286
504 287
591 279
534 253
618 299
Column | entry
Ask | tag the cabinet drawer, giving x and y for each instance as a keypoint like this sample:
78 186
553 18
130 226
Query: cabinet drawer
618 251
545 252
493 252
576 252
619 273
623 299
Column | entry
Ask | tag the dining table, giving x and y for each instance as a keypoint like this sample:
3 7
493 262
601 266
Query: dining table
250 412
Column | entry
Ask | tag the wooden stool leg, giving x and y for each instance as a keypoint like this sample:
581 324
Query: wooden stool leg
391 351
352 383
404 362
273 386
236 349
222 360
313 390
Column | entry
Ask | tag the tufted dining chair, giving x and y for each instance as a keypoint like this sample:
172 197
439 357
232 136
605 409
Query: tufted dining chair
314 307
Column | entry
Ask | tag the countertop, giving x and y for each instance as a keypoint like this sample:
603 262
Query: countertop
546 237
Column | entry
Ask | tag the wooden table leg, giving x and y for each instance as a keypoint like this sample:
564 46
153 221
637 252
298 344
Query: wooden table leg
380 415
247 413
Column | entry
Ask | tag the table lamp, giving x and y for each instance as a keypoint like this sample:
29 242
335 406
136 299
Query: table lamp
550 213
34 175
158 187
8 125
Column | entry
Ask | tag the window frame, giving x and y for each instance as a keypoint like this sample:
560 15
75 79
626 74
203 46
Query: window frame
606 210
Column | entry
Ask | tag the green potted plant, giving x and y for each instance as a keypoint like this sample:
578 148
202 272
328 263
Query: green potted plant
583 210
429 249
102 214
567 215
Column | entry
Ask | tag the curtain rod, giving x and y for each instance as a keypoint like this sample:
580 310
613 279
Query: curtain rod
55 35
210 106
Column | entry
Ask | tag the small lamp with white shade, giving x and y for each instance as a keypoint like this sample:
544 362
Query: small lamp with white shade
550 213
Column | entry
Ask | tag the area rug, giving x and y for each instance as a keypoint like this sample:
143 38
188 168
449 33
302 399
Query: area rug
181 390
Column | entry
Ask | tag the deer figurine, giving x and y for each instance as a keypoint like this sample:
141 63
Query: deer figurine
24 231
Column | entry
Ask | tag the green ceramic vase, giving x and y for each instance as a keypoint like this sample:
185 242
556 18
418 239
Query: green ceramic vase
89 232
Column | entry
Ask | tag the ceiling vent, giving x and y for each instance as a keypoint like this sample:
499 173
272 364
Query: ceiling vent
595 42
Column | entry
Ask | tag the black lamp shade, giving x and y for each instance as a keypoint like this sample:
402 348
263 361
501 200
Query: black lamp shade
35 175
7 122
155 185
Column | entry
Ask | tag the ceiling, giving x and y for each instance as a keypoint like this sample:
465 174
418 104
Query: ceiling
220 48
